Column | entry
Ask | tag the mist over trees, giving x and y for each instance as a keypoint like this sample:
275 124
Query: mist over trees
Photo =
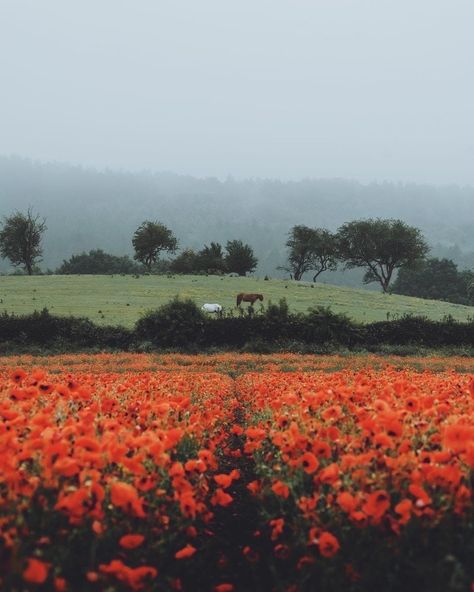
86 209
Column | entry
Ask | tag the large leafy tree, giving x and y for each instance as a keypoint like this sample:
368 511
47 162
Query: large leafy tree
381 247
20 239
300 251
150 239
310 250
325 251
211 258
240 257
437 279
186 262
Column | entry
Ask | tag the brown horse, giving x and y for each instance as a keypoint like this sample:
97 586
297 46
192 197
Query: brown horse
242 297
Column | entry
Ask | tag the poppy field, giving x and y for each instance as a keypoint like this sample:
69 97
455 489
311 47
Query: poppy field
178 475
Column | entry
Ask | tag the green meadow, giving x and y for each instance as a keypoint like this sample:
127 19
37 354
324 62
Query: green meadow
122 299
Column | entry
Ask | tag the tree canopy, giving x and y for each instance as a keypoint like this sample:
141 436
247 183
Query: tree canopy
98 262
150 239
310 250
186 262
381 247
20 239
210 259
240 257
437 279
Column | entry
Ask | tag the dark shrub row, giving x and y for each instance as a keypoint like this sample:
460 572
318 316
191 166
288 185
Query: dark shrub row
44 329
180 324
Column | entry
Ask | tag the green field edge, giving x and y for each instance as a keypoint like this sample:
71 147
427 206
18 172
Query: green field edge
122 300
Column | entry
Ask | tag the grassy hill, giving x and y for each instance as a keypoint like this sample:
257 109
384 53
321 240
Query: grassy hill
121 299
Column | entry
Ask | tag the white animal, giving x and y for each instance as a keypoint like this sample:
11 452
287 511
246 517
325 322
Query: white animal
211 307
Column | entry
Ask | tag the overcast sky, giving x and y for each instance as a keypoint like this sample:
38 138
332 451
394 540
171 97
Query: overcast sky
364 89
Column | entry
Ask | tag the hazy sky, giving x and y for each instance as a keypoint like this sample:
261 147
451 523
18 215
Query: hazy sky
380 89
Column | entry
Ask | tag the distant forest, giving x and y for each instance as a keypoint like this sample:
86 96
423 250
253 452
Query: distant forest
87 209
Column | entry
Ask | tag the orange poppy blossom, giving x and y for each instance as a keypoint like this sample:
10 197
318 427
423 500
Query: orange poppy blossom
105 449
135 578
328 544
386 452
147 464
185 552
36 571
131 541
86 363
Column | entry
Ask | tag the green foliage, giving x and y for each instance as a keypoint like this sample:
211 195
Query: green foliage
181 325
210 259
300 251
278 312
468 278
240 258
310 249
380 246
322 325
177 323
44 329
150 239
98 262
20 239
437 279
186 262
325 249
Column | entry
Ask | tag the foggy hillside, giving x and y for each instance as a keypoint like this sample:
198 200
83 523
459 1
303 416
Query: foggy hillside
87 209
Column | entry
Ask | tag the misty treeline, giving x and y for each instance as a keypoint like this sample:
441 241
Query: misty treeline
21 236
87 209
383 249
379 247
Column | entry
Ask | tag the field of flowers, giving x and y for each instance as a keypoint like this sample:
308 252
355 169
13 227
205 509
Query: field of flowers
137 477
231 363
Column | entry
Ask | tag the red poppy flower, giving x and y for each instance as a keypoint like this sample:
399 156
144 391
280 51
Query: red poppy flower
328 544
131 541
36 571
185 552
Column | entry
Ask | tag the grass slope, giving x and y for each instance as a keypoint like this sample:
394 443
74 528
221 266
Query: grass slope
121 299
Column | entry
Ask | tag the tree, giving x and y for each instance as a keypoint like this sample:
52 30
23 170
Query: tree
211 259
436 279
150 239
381 247
310 249
325 249
98 262
300 251
186 262
468 279
240 258
20 239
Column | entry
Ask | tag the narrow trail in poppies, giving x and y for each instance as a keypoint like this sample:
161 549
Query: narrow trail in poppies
238 548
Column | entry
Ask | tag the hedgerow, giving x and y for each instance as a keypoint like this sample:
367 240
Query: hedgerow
181 325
